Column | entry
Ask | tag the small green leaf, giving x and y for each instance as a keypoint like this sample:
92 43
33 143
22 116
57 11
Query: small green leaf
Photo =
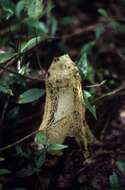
87 47
40 157
54 25
35 9
9 11
83 64
49 8
87 94
67 20
56 147
99 31
38 26
121 166
115 182
19 150
21 153
103 12
40 138
4 171
23 70
90 107
6 56
86 70
20 7
8 8
13 113
31 43
5 89
30 96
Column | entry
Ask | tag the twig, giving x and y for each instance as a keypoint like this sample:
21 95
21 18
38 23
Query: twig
18 141
48 15
24 76
120 54
7 65
80 31
112 93
96 85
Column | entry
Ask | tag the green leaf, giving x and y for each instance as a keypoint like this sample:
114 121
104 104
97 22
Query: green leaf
38 26
99 31
90 107
56 147
5 89
13 113
21 153
121 166
54 25
115 182
6 56
4 171
35 9
31 43
9 12
103 12
20 7
66 20
30 96
83 64
86 71
87 94
8 7
87 47
19 150
40 157
23 70
40 138
49 8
